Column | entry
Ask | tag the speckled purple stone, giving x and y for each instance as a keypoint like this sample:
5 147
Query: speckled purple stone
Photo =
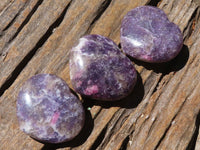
48 111
99 70
148 35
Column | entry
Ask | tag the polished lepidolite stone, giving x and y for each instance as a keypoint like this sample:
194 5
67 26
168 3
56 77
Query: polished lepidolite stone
99 70
148 35
48 111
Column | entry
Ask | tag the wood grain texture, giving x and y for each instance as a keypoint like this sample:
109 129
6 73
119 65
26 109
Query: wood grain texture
30 35
15 27
162 112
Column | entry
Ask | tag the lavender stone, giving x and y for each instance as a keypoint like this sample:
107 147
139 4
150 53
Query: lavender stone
48 111
148 35
99 70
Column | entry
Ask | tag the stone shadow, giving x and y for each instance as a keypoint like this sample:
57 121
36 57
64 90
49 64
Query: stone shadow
174 65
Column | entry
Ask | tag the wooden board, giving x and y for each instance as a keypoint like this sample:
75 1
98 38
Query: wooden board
162 112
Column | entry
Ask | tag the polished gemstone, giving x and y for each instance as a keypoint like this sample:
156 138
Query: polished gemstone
48 111
99 70
148 35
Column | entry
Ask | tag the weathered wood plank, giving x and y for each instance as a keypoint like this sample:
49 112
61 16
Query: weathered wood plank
30 35
4 4
167 94
76 23
20 21
180 86
115 140
10 13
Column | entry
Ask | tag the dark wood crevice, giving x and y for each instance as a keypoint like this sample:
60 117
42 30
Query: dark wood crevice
154 2
124 144
100 138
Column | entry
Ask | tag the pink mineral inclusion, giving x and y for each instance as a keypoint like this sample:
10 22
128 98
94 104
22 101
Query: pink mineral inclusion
55 117
78 84
78 74
146 57
91 90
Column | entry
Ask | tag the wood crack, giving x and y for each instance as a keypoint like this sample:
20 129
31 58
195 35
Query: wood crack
125 143
189 29
100 138
154 2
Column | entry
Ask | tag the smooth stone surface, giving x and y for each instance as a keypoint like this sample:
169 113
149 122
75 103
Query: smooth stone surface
48 111
99 70
148 35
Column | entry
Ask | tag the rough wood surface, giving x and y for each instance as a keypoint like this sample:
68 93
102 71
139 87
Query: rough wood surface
163 110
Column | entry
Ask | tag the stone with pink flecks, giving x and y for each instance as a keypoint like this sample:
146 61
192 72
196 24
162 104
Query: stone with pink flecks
148 35
99 70
48 111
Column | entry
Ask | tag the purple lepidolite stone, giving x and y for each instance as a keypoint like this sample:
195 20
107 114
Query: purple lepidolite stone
99 70
48 111
148 35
